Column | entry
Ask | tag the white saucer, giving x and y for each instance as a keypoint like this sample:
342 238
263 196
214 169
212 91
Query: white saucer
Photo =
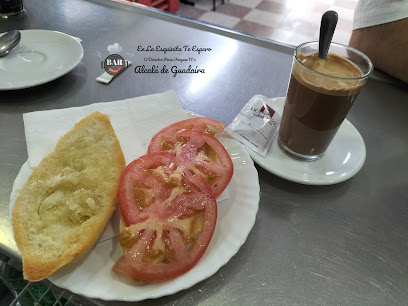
343 159
40 57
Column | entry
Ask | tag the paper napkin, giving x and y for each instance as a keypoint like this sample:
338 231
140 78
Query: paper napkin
135 122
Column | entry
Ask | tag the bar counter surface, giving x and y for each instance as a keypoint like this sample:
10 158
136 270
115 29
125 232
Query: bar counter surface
342 244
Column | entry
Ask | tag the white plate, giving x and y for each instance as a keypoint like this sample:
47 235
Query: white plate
93 276
40 57
342 160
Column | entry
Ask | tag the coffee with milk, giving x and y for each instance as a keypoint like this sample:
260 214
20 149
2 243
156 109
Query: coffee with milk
320 94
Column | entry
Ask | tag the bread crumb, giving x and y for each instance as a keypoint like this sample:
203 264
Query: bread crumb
91 203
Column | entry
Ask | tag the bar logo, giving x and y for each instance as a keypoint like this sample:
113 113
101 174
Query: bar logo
114 64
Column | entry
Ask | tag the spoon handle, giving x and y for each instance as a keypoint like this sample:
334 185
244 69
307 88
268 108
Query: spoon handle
327 27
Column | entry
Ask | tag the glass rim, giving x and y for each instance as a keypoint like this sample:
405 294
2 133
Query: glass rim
365 57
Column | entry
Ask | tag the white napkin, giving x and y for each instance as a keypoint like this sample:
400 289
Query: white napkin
134 120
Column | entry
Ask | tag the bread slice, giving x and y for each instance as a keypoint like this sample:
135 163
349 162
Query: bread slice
69 199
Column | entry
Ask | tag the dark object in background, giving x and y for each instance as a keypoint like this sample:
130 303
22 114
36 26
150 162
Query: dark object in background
5 295
10 7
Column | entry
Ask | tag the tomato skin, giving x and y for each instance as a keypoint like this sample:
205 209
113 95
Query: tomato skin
222 169
168 133
184 262
128 208
157 220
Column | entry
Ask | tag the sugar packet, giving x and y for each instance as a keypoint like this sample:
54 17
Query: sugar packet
256 125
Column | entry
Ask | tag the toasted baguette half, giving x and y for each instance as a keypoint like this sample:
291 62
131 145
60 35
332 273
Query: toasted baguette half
69 199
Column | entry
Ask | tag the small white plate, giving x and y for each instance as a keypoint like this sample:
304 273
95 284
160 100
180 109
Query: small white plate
40 57
343 159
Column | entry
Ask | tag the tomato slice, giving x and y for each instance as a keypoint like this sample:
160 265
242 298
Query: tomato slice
165 139
201 153
170 216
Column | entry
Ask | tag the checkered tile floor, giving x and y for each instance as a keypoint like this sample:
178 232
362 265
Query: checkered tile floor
287 21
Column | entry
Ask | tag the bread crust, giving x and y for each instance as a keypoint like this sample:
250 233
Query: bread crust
69 199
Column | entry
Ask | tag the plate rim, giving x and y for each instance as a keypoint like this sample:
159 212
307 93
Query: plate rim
61 73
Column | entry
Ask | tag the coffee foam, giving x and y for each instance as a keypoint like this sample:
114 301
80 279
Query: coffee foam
334 66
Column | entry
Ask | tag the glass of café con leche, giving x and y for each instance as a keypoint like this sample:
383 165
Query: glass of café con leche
320 94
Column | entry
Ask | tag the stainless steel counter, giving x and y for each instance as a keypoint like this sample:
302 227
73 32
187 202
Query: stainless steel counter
343 244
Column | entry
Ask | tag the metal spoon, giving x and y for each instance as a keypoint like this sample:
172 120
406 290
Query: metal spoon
8 41
327 27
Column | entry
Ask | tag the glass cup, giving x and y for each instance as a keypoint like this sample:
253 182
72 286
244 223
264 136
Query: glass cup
320 94
10 7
